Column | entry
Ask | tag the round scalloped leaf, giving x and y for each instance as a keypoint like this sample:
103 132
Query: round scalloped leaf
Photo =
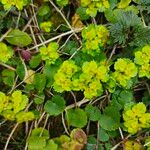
92 112
108 123
56 106
76 117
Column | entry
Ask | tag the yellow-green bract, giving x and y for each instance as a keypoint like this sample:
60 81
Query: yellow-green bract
12 107
49 54
6 52
142 59
136 118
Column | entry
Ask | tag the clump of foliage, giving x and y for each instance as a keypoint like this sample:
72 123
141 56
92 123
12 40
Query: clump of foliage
46 26
94 39
50 54
13 107
136 118
142 58
132 145
125 70
17 3
92 7
6 52
76 140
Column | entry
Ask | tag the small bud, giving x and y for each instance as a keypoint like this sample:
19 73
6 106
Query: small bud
26 55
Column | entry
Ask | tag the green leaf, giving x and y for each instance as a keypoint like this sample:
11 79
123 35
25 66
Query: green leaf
92 142
18 38
37 140
49 72
39 81
81 11
20 70
108 146
36 143
56 106
110 120
40 132
44 10
40 99
51 145
108 123
92 112
100 147
35 61
76 117
103 136
122 97
113 3
8 77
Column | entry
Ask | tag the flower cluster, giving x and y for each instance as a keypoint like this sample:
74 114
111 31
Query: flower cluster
132 145
12 107
89 78
136 118
18 3
125 70
63 77
49 54
94 38
142 59
6 52
93 6
46 26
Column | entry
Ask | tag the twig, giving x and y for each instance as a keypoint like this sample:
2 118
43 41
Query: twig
7 66
122 137
148 143
77 104
4 35
56 37
59 11
75 52
112 53
2 122
63 122
10 135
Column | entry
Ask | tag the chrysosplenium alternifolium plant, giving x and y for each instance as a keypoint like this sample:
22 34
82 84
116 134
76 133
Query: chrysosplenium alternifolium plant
46 26
6 52
13 107
49 53
142 59
125 70
136 118
95 38
92 6
88 78
17 3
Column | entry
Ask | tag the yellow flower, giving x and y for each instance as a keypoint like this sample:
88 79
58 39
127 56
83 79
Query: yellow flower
46 26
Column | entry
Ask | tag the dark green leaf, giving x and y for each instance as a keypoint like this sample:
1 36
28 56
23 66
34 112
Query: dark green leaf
56 106
35 61
103 136
92 112
76 117
39 81
8 77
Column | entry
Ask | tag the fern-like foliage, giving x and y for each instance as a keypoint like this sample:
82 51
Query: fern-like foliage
127 23
129 30
141 37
